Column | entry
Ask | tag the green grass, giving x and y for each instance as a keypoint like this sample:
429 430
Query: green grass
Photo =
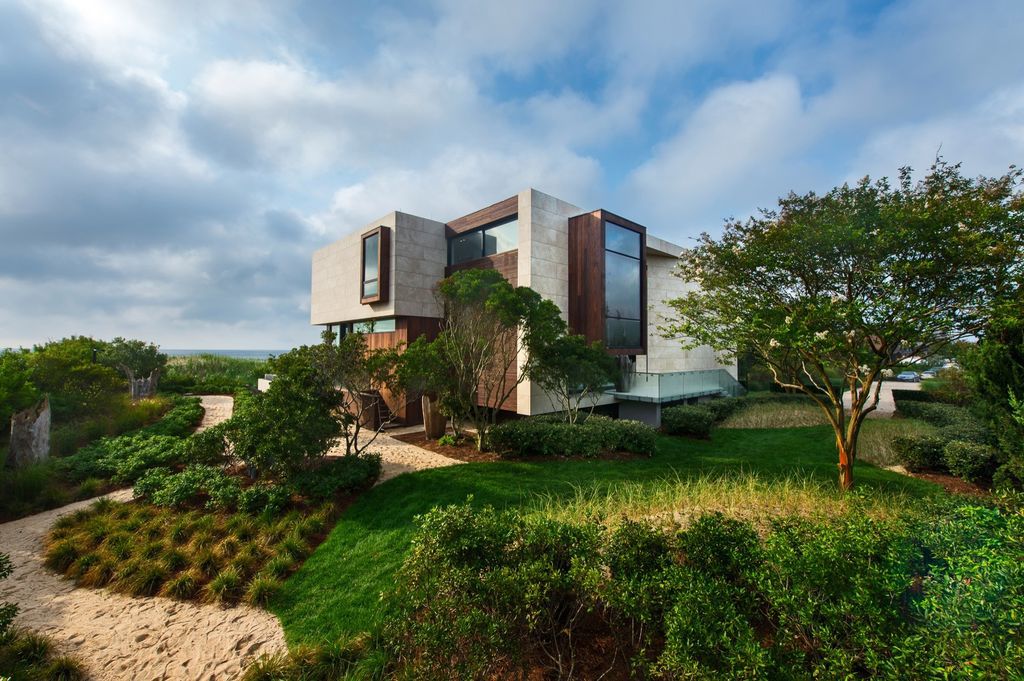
337 592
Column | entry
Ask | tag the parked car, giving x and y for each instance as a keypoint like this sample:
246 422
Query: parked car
909 377
931 373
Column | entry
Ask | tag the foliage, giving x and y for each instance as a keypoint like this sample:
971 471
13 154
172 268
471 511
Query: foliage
753 473
280 431
590 438
970 461
212 374
27 656
125 457
950 386
484 593
78 386
203 486
141 549
693 420
474 360
7 610
846 282
480 589
338 476
134 358
920 452
358 377
17 392
574 372
321 662
209 447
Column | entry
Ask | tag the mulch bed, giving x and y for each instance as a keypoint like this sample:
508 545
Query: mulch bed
465 450
953 484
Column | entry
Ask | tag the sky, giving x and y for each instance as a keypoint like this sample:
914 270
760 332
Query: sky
167 167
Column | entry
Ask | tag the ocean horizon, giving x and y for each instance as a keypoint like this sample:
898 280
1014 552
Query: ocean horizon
238 354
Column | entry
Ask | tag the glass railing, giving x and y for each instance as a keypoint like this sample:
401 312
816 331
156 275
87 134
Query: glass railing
678 385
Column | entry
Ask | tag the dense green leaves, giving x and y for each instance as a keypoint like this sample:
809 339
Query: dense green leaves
847 282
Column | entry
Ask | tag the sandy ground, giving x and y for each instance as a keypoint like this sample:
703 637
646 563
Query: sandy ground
118 637
886 404
399 457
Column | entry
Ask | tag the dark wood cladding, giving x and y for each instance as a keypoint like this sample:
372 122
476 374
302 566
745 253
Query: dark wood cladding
407 329
383 265
498 211
506 263
586 277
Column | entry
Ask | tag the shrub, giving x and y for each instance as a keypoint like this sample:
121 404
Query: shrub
480 588
722 408
264 497
196 485
337 476
690 420
595 436
7 610
970 461
208 448
920 452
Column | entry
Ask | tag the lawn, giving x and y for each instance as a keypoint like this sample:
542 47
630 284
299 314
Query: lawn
338 590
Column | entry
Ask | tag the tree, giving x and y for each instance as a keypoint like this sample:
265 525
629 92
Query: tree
574 372
488 323
843 284
16 389
283 430
361 376
78 385
135 358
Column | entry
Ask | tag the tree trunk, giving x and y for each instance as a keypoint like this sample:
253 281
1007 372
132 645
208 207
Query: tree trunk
847 456
433 421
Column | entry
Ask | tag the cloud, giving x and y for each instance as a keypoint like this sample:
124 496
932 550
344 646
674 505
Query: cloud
726 153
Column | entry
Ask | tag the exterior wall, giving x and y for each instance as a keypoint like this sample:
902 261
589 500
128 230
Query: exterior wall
544 267
666 354
418 257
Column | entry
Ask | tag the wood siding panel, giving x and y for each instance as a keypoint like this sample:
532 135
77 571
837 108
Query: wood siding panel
586 277
492 213
407 329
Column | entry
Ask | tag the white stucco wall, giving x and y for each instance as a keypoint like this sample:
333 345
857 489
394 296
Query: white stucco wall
418 257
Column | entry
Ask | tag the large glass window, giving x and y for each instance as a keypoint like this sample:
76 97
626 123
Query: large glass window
371 273
623 289
489 240
375 326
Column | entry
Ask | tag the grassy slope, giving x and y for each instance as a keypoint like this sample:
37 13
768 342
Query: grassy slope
337 591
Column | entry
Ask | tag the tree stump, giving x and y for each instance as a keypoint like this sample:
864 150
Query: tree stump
30 436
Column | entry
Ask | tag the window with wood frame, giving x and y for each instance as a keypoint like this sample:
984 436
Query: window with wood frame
375 249
623 289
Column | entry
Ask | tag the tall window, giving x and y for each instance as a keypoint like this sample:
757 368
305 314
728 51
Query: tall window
622 287
376 251
489 240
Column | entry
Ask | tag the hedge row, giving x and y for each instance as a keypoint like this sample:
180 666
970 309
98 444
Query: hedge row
596 435
963 444
696 420
498 595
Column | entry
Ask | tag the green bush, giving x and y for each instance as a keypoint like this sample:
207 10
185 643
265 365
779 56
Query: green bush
212 374
970 461
920 452
722 408
197 485
956 423
7 610
548 437
264 497
337 476
692 420
209 448
921 596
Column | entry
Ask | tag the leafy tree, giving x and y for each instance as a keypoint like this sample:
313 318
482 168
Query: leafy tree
487 323
361 376
135 358
845 282
279 432
574 372
16 389
78 385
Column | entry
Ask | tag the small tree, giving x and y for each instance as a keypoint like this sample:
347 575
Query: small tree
361 377
846 283
77 383
16 389
487 323
135 359
574 372
294 423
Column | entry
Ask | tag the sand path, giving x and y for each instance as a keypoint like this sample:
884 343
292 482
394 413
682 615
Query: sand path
399 457
119 637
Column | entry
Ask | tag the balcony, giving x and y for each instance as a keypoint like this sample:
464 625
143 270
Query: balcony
679 385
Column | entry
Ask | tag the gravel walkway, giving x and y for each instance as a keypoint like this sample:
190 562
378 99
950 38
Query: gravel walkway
119 637
400 457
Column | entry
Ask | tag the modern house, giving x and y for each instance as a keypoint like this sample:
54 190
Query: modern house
609 277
